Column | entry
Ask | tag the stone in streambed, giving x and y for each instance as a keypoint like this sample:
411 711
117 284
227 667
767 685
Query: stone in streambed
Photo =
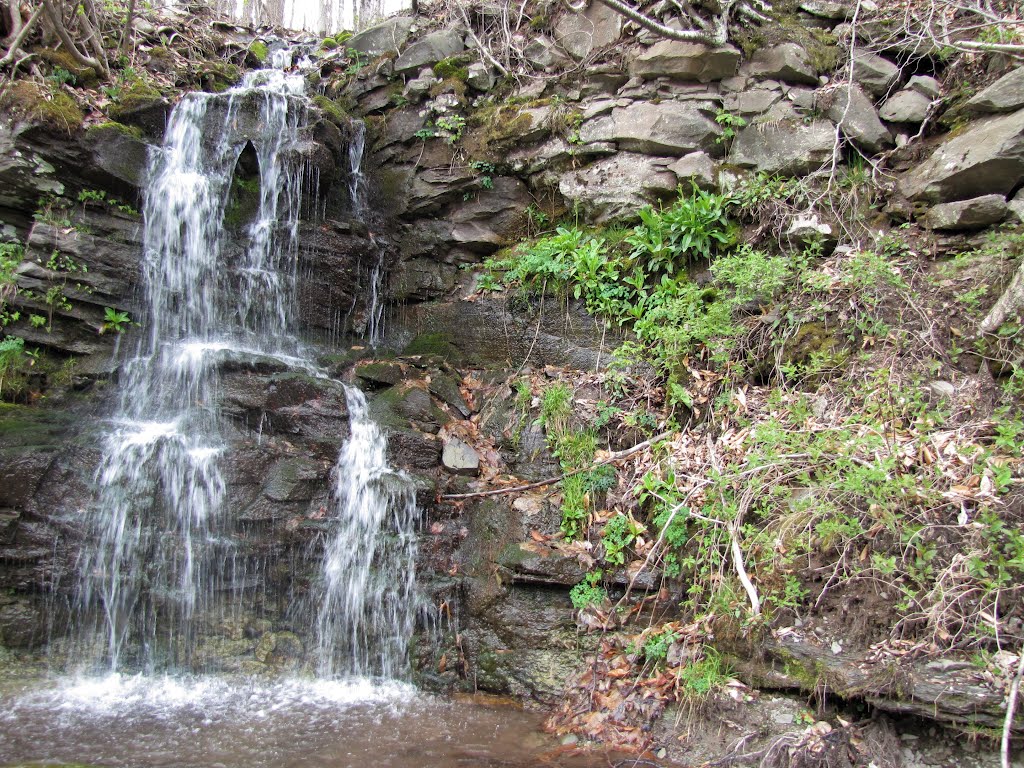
459 458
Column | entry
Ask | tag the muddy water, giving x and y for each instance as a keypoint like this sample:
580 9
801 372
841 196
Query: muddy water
214 723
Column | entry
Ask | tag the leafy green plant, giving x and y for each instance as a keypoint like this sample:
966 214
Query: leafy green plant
451 127
588 592
618 535
114 320
730 124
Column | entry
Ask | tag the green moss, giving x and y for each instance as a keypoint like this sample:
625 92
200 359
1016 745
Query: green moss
243 202
84 76
494 130
259 51
101 129
434 344
219 77
133 97
453 68
332 110
821 45
54 110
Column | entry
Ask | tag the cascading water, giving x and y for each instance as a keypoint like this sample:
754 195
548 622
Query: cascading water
365 618
158 546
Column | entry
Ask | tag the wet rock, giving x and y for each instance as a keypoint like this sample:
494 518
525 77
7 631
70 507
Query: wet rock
412 449
408 404
380 373
853 111
875 74
388 36
987 158
421 279
22 624
446 389
788 149
787 62
536 563
118 152
431 49
616 186
490 331
1004 95
459 458
977 213
294 479
686 61
907 106
667 128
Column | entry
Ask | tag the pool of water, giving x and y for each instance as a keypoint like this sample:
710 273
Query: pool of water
203 722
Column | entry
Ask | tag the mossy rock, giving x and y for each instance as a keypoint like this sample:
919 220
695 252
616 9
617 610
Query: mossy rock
821 45
110 128
243 202
332 110
86 77
454 68
259 51
217 78
494 130
57 111
433 344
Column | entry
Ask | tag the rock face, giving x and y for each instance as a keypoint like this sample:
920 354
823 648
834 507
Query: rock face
977 213
430 50
580 33
787 62
686 61
875 74
460 458
668 128
787 148
1004 95
617 186
855 115
388 36
907 106
987 158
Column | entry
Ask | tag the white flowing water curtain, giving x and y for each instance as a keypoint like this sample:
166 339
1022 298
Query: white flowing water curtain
325 17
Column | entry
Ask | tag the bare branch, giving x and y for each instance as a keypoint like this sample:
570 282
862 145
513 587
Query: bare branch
57 22
26 30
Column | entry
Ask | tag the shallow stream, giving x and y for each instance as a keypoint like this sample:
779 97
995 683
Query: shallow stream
205 722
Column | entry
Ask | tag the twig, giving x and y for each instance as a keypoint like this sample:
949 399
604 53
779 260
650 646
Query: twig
1011 706
617 456
20 39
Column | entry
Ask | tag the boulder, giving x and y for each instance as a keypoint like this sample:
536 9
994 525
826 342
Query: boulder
853 111
544 54
1015 208
118 152
480 76
875 74
686 61
386 37
1004 95
430 50
827 9
976 213
987 158
907 106
696 168
925 85
666 128
789 149
459 458
787 62
616 186
753 102
582 32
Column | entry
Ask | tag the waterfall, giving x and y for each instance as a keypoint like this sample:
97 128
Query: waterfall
366 615
158 542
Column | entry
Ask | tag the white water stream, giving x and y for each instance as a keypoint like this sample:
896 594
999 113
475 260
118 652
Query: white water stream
158 545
